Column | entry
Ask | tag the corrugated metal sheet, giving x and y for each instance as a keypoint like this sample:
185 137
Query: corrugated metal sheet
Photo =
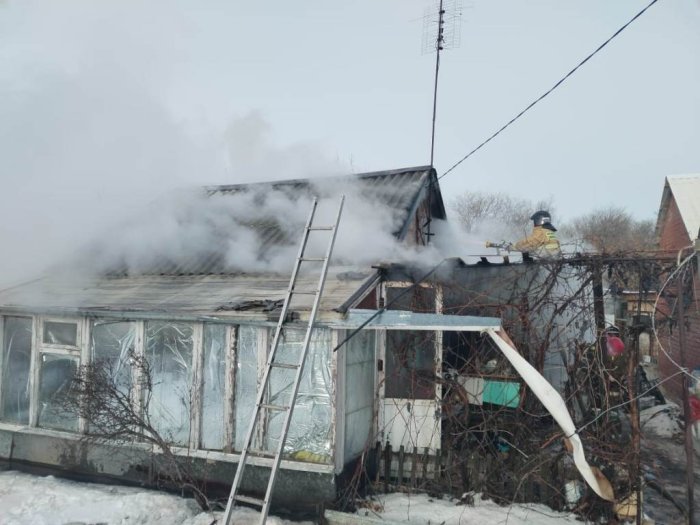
398 320
200 282
184 295
399 190
686 192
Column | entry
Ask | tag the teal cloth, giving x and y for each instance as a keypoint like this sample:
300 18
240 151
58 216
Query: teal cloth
504 393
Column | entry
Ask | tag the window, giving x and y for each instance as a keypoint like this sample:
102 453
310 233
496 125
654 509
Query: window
213 387
112 343
60 333
169 354
16 364
309 436
410 364
57 372
246 382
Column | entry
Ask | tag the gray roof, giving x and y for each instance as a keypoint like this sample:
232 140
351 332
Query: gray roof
226 297
199 283
400 190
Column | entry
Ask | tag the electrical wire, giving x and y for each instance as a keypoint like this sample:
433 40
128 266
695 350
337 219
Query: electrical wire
639 396
387 305
656 302
546 93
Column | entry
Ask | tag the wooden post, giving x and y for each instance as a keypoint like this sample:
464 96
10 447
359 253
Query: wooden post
377 461
401 460
414 465
687 417
425 462
387 466
436 473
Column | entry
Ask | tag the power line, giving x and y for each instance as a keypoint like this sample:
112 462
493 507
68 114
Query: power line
555 86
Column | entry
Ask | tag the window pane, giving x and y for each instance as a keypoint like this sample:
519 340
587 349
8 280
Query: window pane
309 437
57 372
111 346
410 364
246 381
17 350
213 387
57 333
169 354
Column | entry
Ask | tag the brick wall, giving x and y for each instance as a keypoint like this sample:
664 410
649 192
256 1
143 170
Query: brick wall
673 236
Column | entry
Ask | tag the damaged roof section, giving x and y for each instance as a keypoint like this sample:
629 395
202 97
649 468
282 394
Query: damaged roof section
216 296
228 250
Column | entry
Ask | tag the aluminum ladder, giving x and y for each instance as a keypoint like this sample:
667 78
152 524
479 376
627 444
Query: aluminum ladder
260 405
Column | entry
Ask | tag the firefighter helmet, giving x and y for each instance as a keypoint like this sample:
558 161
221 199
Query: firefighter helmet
541 217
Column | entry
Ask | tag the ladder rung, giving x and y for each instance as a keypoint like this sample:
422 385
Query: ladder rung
275 407
285 365
305 292
263 453
249 500
312 259
324 228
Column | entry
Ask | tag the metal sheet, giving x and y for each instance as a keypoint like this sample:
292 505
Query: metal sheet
402 320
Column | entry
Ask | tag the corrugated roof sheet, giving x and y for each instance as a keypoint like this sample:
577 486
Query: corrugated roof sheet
223 296
400 190
199 282
685 189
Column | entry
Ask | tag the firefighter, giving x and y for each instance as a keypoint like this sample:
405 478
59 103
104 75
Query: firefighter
542 242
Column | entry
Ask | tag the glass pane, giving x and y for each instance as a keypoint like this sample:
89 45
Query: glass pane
246 381
111 346
213 387
309 437
169 354
359 391
57 372
17 351
57 333
410 364
418 299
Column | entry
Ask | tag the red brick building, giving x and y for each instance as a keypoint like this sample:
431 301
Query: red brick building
677 232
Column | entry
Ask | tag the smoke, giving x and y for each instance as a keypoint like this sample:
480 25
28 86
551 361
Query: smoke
98 158
91 133
256 229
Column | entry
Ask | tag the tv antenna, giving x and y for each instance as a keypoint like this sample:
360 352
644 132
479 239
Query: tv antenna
441 30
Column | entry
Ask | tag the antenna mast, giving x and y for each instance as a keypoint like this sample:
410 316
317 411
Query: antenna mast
435 39
438 47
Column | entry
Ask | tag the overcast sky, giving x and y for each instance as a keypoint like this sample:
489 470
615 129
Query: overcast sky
104 105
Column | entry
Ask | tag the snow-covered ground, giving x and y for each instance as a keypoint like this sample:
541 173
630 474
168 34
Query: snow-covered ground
425 510
37 500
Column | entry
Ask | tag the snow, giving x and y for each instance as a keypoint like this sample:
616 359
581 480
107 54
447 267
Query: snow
661 420
425 510
26 499
36 500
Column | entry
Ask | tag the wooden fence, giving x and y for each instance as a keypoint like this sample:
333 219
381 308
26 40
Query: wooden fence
501 476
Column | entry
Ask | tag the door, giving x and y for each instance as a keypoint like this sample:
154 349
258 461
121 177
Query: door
409 392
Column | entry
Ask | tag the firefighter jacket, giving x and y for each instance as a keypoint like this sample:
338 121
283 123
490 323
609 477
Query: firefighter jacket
541 242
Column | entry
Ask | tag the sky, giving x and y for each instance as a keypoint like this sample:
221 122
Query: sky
104 106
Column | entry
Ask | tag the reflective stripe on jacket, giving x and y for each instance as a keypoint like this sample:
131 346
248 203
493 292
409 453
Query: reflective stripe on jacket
540 240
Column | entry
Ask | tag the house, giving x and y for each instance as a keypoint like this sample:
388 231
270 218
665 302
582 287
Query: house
197 295
677 228
204 327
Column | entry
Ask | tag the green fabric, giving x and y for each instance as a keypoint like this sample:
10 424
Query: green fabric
504 393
